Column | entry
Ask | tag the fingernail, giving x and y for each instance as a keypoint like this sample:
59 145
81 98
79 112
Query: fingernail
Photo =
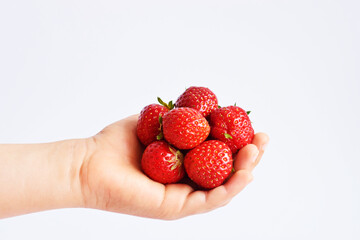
255 155
264 146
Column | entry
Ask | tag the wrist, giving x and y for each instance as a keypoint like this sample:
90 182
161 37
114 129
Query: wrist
77 155
81 151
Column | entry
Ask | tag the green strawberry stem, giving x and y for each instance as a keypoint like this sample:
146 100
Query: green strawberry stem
169 105
160 136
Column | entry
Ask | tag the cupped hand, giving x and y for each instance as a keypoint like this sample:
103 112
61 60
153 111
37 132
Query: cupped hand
112 179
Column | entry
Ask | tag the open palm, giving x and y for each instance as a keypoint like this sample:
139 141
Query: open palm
112 179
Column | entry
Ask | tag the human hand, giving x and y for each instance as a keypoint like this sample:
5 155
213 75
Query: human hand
112 180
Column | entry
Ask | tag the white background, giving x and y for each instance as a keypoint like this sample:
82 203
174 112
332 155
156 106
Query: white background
69 68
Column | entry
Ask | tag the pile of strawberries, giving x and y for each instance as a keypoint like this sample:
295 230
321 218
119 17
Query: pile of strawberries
195 127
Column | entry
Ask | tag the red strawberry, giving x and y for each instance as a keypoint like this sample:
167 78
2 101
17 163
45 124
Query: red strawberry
185 128
209 164
199 98
232 126
149 123
163 163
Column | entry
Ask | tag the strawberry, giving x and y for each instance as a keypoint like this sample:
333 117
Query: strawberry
163 163
232 126
185 128
148 127
199 98
209 164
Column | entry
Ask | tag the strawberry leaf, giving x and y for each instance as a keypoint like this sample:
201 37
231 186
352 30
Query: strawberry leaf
160 136
248 112
177 159
228 136
169 105
161 102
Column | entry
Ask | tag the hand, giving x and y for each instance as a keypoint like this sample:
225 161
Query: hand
112 180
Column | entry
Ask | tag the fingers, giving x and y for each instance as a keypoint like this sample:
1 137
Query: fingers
173 201
181 200
249 156
204 201
261 140
244 162
246 158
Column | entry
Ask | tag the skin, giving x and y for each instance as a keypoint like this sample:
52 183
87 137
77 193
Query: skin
103 172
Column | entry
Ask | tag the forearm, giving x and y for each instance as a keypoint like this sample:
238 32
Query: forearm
37 177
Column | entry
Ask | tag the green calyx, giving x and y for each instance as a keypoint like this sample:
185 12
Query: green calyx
161 134
169 105
227 136
177 160
248 112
